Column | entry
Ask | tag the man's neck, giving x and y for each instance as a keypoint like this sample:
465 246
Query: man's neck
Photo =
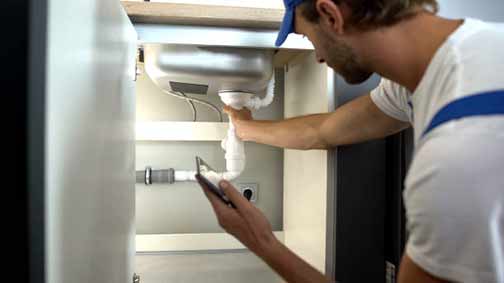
403 52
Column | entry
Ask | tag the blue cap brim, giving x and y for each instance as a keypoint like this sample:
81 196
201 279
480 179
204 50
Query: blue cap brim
286 28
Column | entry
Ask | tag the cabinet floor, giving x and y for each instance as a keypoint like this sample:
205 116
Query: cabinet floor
209 267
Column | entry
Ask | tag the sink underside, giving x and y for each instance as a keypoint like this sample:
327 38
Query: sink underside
207 70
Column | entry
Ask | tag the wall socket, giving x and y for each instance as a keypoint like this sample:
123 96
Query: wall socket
249 191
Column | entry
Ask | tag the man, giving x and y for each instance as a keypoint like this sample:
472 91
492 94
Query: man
444 78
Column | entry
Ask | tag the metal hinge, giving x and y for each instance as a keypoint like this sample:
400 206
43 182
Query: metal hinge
139 59
136 278
390 272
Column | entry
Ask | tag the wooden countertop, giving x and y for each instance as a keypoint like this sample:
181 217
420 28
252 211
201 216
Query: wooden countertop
208 15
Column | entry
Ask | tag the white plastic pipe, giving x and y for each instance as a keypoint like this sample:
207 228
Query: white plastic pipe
256 103
184 176
234 147
235 154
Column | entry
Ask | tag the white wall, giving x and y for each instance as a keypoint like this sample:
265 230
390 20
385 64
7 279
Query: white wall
489 10
90 143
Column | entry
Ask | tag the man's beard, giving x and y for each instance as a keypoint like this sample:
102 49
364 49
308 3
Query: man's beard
343 60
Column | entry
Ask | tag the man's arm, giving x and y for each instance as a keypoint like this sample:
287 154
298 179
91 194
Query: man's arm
357 121
291 267
410 272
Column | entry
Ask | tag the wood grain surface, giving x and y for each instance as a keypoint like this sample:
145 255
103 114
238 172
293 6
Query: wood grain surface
208 15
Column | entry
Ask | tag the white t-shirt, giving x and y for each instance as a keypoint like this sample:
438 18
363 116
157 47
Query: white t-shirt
454 193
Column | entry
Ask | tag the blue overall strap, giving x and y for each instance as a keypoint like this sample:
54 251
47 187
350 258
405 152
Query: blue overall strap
489 103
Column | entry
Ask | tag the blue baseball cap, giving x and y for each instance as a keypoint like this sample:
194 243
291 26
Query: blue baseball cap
288 21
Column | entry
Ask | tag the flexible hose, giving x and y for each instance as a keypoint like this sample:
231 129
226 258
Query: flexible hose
256 103
193 108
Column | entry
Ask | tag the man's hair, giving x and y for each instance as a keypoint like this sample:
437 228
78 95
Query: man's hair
366 14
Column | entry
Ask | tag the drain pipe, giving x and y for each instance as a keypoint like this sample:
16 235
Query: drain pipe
163 176
232 145
149 176
256 103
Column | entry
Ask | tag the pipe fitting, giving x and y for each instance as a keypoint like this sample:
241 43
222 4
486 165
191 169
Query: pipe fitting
149 176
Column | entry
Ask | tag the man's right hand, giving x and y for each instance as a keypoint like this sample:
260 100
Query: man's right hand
238 117
244 114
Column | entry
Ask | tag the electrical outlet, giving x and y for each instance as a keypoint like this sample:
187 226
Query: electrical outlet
249 191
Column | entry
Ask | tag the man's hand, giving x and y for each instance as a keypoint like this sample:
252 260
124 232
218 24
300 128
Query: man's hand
238 117
251 228
245 222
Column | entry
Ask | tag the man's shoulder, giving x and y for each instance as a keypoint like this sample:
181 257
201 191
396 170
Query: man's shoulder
471 61
479 39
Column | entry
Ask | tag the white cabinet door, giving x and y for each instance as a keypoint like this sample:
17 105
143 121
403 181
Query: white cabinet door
308 222
90 151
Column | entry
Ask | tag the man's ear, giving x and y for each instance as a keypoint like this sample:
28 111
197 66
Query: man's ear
330 15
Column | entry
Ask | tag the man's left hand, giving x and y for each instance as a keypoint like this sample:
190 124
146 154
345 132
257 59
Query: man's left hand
245 222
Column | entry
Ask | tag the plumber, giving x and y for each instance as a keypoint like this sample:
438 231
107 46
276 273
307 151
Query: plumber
443 78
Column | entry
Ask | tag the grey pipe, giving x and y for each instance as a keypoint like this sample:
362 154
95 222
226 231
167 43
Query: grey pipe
149 176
